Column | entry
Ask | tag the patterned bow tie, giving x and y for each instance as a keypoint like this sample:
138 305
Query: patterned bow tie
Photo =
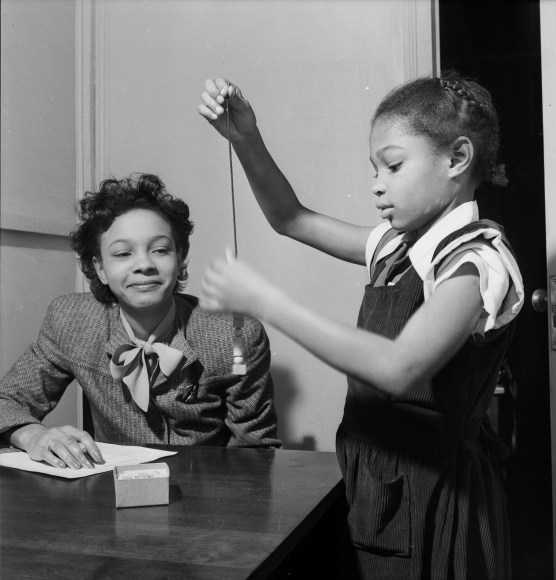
129 362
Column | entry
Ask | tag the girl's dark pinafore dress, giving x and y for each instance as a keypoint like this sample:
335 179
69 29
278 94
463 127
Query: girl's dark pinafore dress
422 485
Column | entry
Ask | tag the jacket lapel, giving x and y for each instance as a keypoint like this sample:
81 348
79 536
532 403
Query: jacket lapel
117 332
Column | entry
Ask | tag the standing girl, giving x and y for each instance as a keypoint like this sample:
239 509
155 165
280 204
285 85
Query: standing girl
414 445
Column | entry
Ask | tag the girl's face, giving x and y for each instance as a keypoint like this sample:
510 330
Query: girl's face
140 262
413 184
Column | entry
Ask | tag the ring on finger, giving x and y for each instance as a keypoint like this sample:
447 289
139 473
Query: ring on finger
48 446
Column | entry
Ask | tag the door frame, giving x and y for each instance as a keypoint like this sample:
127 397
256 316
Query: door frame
548 59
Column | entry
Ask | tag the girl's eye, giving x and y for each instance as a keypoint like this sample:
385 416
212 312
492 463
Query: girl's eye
161 251
394 167
122 254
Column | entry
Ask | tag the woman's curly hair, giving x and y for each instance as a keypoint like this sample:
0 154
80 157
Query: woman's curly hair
97 211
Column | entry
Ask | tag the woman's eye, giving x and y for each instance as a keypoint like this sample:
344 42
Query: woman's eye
162 251
121 254
394 167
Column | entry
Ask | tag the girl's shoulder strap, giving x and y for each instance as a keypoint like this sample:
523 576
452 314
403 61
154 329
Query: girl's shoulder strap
471 230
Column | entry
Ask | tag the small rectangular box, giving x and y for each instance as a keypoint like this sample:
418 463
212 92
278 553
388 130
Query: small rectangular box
141 485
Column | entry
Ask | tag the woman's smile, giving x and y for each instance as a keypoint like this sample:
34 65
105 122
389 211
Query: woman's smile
147 285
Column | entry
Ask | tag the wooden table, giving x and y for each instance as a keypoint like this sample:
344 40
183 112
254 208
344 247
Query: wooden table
233 513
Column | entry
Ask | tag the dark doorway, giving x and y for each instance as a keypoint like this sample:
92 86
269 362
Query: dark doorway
498 44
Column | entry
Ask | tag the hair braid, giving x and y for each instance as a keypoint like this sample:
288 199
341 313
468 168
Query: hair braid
460 91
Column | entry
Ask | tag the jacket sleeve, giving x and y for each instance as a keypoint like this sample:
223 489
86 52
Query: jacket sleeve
38 379
251 416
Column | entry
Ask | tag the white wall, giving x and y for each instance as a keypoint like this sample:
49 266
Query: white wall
38 172
313 71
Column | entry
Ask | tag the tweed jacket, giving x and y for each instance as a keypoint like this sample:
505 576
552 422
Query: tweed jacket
201 403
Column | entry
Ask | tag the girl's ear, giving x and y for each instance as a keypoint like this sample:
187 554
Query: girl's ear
462 154
100 271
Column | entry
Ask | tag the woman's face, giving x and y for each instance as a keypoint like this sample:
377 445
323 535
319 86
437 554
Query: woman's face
139 261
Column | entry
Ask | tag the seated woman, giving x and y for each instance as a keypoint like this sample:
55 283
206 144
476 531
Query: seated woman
153 366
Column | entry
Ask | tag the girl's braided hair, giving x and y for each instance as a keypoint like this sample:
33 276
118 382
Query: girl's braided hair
98 210
448 107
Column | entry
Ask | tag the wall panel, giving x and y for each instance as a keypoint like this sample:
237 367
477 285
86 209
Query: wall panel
38 163
314 71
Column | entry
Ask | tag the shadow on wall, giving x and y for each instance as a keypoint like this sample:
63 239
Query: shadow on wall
285 395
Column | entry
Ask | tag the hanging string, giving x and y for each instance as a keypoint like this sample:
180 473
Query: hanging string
231 176
239 367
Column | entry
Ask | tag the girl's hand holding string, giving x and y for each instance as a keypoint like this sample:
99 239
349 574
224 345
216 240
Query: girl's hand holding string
213 108
61 447
232 286
274 194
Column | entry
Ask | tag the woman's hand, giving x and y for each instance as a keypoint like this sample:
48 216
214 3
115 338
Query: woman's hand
61 447
233 286
213 107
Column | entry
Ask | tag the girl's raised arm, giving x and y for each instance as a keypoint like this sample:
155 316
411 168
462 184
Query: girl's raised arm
273 192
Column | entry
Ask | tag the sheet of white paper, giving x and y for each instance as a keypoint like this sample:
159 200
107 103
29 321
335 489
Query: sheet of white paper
112 454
